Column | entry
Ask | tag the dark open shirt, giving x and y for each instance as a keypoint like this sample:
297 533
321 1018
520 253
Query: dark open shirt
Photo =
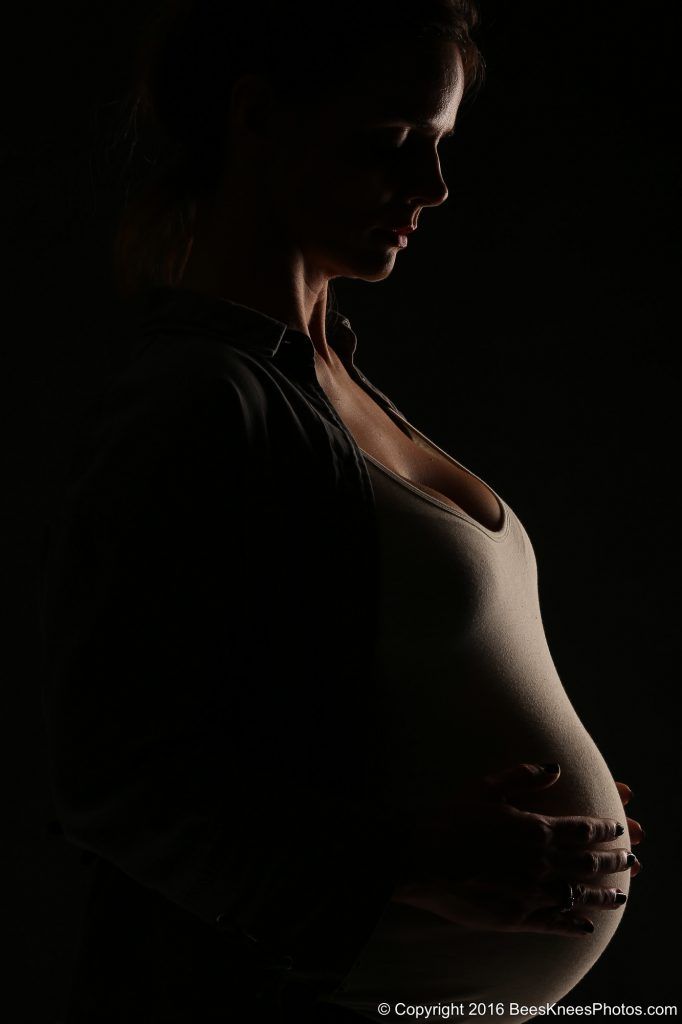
209 607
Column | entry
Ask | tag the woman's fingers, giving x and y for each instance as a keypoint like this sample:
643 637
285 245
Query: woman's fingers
596 897
636 831
515 904
509 902
634 827
552 922
586 864
582 830
543 831
625 792
522 899
513 781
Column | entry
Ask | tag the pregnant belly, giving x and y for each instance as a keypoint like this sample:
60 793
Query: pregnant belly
416 958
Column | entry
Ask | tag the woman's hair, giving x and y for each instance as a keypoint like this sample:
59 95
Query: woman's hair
188 54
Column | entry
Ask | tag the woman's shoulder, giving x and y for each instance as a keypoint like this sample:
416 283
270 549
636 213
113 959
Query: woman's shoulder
194 340
169 375
165 347
170 401
164 367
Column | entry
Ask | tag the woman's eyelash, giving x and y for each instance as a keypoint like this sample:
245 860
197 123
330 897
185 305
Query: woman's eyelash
394 139
398 139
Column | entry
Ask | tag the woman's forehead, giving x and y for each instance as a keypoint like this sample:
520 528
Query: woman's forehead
413 84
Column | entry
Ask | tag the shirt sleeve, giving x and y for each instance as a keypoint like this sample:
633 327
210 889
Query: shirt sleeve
153 587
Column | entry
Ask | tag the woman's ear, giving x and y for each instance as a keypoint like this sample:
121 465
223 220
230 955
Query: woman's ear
254 114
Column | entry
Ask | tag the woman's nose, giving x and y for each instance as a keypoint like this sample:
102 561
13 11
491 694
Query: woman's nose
427 186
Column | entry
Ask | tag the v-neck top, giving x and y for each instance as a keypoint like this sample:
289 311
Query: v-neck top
467 685
419 438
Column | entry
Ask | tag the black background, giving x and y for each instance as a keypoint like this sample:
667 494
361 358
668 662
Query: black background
529 330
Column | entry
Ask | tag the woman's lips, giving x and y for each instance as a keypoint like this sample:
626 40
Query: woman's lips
397 237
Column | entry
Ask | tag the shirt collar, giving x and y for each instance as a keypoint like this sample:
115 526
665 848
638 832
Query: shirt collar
251 328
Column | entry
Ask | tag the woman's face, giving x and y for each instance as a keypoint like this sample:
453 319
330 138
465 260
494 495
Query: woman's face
341 176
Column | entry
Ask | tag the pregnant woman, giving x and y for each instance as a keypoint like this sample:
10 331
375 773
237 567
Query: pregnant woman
300 705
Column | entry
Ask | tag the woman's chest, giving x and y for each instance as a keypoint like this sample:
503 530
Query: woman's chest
376 433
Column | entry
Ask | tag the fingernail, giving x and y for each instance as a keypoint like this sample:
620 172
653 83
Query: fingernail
619 829
586 926
621 897
630 859
551 769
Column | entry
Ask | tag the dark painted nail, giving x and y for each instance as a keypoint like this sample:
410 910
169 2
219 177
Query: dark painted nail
551 769
620 829
630 860
621 897
586 926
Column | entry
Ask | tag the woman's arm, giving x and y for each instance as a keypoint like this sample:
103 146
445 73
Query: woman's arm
155 596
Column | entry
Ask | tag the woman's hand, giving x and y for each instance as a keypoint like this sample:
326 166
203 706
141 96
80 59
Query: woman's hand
634 828
517 878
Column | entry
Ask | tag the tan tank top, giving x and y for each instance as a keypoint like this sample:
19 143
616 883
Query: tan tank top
468 685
